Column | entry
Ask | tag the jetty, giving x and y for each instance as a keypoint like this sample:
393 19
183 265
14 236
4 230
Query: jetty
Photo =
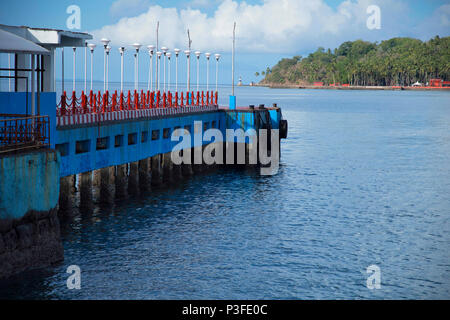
121 143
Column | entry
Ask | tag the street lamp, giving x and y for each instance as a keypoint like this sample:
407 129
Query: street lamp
188 54
207 55
164 50
150 68
197 54
168 54
92 47
217 56
121 50
177 51
105 45
136 66
158 53
85 66
74 50
108 49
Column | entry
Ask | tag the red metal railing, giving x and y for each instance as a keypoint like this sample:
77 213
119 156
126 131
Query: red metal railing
103 103
20 132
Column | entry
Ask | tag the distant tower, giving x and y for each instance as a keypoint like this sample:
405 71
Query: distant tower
240 81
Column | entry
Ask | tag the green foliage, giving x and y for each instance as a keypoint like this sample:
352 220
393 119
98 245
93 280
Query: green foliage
398 61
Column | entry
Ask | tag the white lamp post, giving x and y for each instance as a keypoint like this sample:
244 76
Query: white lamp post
121 50
197 54
136 66
159 53
168 54
108 49
85 66
207 55
150 68
188 54
105 45
92 47
74 50
62 69
217 56
164 50
177 51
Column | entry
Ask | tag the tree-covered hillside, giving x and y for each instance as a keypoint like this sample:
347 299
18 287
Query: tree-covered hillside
398 61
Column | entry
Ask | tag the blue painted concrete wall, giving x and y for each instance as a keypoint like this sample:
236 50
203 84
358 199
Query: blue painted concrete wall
16 103
141 144
141 132
28 181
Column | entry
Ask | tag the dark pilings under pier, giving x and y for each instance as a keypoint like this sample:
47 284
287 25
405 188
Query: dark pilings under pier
133 178
66 194
156 170
167 167
86 190
145 175
107 185
121 181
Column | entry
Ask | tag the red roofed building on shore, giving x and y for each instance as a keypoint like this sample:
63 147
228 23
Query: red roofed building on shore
436 83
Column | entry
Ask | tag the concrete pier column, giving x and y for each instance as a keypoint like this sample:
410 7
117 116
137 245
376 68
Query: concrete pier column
145 175
65 194
167 167
107 185
156 170
121 181
86 190
133 178
186 168
96 178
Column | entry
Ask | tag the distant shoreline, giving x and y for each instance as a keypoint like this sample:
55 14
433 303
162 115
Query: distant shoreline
296 86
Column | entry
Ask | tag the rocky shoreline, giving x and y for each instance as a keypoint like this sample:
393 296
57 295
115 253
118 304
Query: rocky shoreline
34 241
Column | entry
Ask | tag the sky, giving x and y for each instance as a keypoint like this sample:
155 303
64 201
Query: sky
267 30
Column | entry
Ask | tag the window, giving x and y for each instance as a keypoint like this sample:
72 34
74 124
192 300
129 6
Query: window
166 133
132 138
82 146
102 143
155 134
118 141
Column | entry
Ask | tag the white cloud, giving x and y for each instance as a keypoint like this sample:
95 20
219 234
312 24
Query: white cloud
279 26
122 8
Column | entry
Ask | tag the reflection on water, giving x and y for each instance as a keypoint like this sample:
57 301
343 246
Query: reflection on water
364 179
